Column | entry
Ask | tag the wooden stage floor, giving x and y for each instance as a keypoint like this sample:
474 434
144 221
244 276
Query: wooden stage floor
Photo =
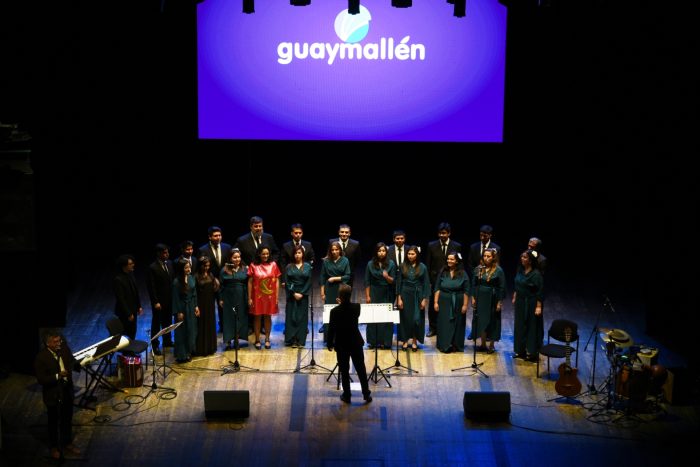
296 418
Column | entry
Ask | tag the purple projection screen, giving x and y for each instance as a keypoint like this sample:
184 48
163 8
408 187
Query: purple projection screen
317 73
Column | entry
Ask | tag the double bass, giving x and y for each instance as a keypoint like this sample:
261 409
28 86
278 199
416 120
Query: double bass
568 384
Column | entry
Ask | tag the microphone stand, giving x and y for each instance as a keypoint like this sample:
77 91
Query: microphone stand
398 364
475 366
596 329
312 366
235 367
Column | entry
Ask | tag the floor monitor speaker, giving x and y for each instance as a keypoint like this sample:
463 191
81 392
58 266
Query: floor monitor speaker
227 404
487 406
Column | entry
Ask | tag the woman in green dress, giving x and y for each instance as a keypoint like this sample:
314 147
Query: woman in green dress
298 285
233 298
450 303
528 327
488 289
413 293
379 288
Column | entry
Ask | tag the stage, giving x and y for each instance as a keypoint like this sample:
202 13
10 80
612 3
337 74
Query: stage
297 418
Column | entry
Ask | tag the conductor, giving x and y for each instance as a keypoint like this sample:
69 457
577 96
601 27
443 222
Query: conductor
344 336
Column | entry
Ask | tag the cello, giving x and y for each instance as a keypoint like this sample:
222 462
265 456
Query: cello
568 384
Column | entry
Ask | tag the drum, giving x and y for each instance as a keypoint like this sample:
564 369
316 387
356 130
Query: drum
633 383
130 371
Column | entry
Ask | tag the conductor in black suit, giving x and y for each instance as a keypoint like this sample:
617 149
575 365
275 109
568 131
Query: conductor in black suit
127 305
160 290
248 243
53 368
217 251
344 336
436 259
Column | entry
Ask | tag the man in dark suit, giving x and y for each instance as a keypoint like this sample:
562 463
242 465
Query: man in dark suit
435 260
249 243
187 254
53 368
160 291
344 336
217 251
350 248
127 305
476 250
287 256
397 251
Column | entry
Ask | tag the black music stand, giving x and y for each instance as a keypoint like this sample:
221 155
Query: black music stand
104 351
234 366
163 370
398 364
376 371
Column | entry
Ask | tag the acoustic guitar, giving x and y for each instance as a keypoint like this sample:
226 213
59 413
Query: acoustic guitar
568 384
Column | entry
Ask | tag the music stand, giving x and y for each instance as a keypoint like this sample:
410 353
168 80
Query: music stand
235 367
164 366
474 366
103 352
376 371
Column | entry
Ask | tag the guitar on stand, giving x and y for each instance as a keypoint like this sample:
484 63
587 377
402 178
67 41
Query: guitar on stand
568 384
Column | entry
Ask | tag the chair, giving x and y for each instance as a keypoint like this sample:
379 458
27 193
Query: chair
135 347
557 331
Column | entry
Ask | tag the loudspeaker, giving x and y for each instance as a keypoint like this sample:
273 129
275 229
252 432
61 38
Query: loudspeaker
227 404
488 406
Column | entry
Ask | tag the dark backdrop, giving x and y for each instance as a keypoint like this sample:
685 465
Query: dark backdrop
599 105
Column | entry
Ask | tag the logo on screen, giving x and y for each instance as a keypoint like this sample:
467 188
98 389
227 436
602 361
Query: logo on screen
352 28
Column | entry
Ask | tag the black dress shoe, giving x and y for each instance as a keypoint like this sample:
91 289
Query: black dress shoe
521 356
156 351
431 333
345 398
368 397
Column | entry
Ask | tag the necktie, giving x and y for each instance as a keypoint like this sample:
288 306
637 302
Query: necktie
165 267
400 256
345 245
217 255
259 241
444 249
60 364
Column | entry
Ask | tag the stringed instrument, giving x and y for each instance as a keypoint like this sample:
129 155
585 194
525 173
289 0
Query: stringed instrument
568 384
